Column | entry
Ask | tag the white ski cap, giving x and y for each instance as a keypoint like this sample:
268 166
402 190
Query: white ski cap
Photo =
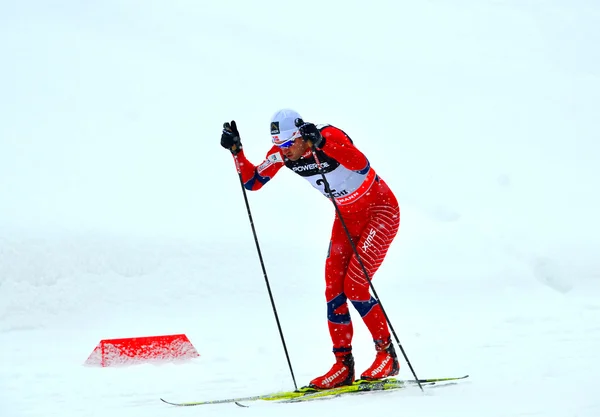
283 125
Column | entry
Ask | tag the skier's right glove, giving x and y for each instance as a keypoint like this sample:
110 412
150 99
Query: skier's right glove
230 138
310 132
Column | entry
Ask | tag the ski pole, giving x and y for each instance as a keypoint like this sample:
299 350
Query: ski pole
358 258
262 264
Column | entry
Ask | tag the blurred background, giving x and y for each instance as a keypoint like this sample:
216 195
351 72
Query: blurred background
121 215
483 115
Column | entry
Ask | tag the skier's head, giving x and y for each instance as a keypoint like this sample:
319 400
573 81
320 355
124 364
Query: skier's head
283 127
286 135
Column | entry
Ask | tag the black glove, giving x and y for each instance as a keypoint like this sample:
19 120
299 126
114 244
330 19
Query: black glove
230 139
310 132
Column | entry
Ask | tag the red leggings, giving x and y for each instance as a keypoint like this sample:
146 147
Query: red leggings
372 229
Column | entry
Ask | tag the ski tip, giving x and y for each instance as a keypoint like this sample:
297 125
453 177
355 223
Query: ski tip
170 403
239 404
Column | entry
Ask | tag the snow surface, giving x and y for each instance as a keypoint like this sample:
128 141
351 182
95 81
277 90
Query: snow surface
121 216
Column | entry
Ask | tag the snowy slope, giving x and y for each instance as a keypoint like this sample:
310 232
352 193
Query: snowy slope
121 216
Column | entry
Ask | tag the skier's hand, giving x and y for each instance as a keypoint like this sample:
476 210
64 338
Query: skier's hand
311 133
230 139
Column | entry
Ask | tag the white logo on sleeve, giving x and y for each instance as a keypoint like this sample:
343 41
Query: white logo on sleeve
271 159
276 157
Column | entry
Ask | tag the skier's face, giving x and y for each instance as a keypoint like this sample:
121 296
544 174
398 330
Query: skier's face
294 152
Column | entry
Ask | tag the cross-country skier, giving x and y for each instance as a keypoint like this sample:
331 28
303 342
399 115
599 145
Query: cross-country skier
370 212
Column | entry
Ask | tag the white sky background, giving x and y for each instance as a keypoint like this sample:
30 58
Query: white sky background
111 112
481 115
484 112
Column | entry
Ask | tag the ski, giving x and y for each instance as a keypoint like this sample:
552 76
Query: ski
363 387
308 393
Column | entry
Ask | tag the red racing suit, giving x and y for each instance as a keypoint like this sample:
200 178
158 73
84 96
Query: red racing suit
371 214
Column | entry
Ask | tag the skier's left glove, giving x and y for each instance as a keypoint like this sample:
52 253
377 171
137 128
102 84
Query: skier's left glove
230 138
310 132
